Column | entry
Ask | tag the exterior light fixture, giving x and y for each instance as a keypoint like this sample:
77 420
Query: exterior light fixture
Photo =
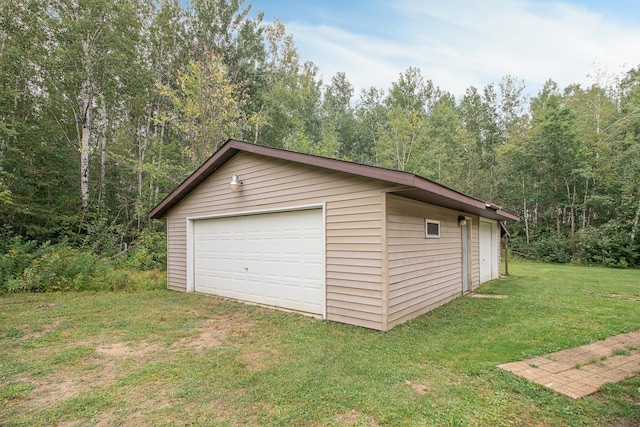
235 184
462 220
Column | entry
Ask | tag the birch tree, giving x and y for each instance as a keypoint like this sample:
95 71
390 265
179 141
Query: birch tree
92 46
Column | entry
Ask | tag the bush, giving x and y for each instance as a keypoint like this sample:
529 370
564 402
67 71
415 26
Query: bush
609 245
551 248
62 267
15 257
148 252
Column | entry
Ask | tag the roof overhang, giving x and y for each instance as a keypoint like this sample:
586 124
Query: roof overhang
417 188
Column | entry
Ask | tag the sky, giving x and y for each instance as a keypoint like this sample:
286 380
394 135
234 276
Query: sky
463 43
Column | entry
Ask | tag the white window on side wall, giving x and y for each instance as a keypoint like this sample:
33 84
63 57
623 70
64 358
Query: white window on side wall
432 228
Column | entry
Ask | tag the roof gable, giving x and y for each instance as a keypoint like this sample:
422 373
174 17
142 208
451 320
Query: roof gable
418 188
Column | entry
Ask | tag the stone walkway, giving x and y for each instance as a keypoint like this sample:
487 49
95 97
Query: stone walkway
581 371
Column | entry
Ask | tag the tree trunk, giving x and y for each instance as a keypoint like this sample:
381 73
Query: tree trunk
103 147
526 220
85 151
636 220
584 205
571 200
86 104
573 209
142 151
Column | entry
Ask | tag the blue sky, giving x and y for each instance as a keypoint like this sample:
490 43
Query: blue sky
462 43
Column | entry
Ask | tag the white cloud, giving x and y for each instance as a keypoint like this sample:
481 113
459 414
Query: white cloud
464 43
367 61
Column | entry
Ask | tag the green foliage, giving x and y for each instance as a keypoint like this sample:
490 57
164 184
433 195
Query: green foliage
14 391
61 268
27 267
206 107
15 255
148 252
608 245
5 196
552 248
547 247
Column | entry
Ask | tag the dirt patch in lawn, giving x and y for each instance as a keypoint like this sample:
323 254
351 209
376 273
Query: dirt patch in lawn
215 331
68 383
419 387
55 389
212 333
626 297
256 360
354 417
96 370
45 329
122 350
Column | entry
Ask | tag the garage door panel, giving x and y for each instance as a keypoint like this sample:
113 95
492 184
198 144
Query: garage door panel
275 259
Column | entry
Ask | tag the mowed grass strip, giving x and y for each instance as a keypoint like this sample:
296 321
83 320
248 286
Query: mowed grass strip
168 358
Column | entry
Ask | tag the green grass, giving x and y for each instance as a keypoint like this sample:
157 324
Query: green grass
166 358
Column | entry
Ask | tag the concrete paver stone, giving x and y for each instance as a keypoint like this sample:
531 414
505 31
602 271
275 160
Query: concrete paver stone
581 371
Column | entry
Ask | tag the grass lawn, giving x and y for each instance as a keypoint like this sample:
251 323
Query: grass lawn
169 358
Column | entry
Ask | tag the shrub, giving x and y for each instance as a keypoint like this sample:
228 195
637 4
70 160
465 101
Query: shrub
551 248
60 268
148 252
609 245
15 257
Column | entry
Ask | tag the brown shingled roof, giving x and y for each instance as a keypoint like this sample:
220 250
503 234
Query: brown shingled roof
418 188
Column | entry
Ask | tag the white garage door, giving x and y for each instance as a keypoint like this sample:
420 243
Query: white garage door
488 255
275 258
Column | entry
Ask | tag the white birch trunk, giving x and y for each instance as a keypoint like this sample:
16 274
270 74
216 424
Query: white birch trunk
86 104
103 147
85 150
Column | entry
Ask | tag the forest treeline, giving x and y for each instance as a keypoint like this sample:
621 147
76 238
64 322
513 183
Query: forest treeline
107 105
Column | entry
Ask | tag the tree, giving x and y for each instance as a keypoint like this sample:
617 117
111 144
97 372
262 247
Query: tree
595 111
31 144
93 43
205 108
338 119
556 153
448 145
225 28
625 131
401 143
478 112
290 100
371 118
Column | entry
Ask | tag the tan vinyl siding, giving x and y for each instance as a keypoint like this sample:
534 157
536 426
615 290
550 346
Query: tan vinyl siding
424 273
353 225
176 255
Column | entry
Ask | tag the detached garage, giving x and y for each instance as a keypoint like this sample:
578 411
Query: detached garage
348 242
